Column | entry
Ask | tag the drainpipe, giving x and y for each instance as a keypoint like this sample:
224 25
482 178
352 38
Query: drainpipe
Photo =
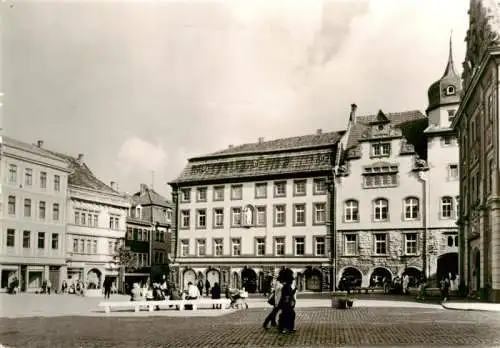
422 175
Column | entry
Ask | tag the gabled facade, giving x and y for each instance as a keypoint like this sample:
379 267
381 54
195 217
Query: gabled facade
96 225
32 215
477 126
245 212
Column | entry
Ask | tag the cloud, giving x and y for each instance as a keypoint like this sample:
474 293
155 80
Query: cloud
136 152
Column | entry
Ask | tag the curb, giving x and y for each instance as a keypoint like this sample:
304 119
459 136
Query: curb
466 309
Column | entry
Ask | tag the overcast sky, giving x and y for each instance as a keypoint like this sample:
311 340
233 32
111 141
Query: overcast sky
142 86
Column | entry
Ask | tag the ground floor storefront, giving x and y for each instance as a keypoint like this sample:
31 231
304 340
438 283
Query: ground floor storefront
253 277
30 277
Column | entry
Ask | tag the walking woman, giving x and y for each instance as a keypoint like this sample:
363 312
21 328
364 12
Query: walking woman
274 300
286 321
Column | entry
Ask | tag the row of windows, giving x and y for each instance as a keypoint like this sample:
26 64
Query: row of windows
89 246
239 216
380 244
141 260
411 209
91 219
259 246
261 190
143 234
26 239
28 178
159 257
28 208
137 213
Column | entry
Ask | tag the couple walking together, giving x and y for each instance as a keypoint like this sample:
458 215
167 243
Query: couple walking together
283 299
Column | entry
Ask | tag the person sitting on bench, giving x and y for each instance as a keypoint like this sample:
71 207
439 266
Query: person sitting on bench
193 292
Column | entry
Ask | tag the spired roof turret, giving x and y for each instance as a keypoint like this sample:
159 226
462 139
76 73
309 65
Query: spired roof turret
446 90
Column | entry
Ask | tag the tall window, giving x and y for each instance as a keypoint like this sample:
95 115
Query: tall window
27 207
261 190
453 171
185 195
113 222
279 215
451 115
299 246
279 246
185 218
11 237
299 187
381 209
491 171
219 217
235 247
236 192
12 205
319 213
185 247
380 246
201 218
218 247
320 246
12 173
351 211
446 207
411 207
94 247
28 176
411 243
261 216
319 186
55 212
55 241
41 240
43 180
299 214
380 176
236 217
260 246
350 244
57 183
201 194
280 189
27 239
41 209
218 193
201 247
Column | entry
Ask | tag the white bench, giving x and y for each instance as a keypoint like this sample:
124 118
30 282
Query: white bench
151 305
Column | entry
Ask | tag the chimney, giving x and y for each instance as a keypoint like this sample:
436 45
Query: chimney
261 140
352 117
319 131
39 143
113 185
80 158
144 188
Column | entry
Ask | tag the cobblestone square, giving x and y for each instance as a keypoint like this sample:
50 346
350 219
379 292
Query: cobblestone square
319 327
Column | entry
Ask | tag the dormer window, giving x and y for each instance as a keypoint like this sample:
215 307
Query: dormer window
381 150
451 115
138 212
450 90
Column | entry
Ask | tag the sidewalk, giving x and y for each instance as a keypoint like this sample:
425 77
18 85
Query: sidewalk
472 306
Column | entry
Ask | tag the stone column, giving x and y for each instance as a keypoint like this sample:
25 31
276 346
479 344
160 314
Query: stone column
495 248
483 232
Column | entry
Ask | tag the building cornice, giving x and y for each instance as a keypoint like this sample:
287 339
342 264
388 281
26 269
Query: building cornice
86 194
40 163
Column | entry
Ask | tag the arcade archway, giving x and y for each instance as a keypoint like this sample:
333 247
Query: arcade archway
447 264
249 280
314 279
353 276
414 276
188 276
94 279
213 276
380 276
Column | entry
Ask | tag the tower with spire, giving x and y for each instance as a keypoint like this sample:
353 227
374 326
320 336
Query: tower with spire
444 97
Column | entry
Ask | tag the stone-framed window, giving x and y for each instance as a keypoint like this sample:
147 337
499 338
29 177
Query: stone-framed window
351 210
411 208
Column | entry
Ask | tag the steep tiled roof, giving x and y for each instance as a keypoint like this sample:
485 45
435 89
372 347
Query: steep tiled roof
412 123
82 175
292 143
29 147
150 197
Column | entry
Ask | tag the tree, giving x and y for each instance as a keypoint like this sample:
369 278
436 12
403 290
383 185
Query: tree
125 259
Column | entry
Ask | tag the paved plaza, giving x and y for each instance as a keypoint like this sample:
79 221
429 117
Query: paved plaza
72 321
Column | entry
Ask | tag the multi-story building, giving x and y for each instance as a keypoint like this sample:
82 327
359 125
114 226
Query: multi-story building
245 212
96 219
148 232
33 218
397 191
476 124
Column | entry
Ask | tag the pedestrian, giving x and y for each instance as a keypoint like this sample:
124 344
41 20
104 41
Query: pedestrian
406 282
193 292
64 286
445 289
274 300
216 294
286 321
107 288
49 286
200 286
207 286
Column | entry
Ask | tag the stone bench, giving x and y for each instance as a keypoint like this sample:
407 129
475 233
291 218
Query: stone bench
151 305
